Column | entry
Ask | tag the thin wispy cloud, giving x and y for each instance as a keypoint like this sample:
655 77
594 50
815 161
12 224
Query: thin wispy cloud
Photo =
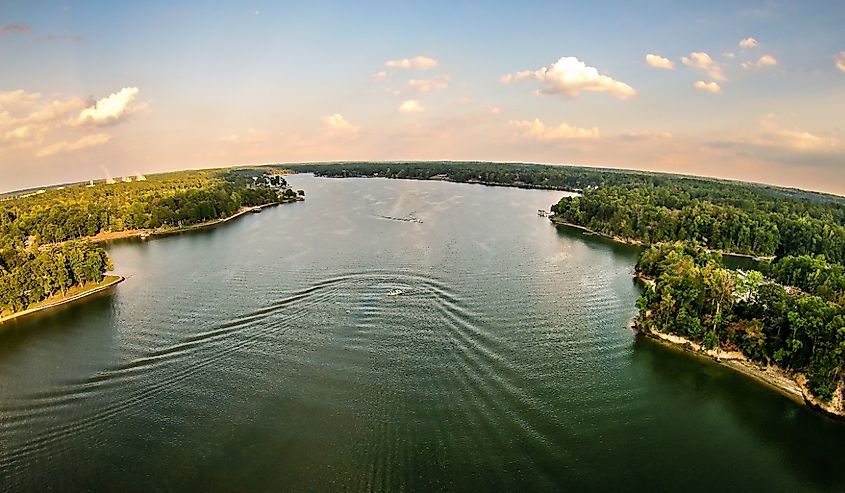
419 62
537 130
14 28
423 86
76 145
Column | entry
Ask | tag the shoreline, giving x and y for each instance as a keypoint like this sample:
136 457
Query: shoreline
115 280
149 233
633 242
792 385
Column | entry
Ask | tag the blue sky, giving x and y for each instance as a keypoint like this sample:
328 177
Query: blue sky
181 85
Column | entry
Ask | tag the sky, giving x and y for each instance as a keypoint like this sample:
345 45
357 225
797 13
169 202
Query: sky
750 91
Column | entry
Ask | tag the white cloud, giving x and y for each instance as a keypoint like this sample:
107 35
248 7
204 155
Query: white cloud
417 63
702 61
495 110
66 146
763 61
380 75
411 106
729 54
392 91
337 125
11 99
538 130
26 120
710 87
747 43
423 86
111 109
658 61
840 60
569 76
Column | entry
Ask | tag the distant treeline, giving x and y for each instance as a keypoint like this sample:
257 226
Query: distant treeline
34 265
654 207
694 296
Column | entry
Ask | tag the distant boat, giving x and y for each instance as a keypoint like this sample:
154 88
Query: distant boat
542 213
395 292
144 236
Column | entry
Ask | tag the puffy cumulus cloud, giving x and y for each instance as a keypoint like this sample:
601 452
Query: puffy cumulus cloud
111 109
658 61
423 86
839 60
763 61
748 43
569 76
710 87
337 125
380 75
538 130
703 61
67 146
411 106
416 63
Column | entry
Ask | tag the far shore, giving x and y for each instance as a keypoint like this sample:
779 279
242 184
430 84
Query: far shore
792 385
106 283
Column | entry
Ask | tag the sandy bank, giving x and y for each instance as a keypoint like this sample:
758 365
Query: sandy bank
793 385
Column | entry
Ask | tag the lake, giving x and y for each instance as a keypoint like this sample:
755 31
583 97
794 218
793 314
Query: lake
267 355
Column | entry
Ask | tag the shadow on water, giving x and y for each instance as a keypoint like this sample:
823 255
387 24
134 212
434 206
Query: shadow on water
40 324
793 431
600 243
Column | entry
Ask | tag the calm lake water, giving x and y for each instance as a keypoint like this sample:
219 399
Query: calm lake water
266 355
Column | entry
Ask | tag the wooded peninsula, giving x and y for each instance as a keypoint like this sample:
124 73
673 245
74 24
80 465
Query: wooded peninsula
48 248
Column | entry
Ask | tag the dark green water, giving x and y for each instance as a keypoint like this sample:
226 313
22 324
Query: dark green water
265 355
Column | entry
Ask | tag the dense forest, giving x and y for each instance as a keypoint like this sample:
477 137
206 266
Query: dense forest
694 296
39 259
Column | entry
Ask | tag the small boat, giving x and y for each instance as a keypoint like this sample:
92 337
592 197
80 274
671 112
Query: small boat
395 292
144 236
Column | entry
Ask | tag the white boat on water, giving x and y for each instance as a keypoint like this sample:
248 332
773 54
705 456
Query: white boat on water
395 292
